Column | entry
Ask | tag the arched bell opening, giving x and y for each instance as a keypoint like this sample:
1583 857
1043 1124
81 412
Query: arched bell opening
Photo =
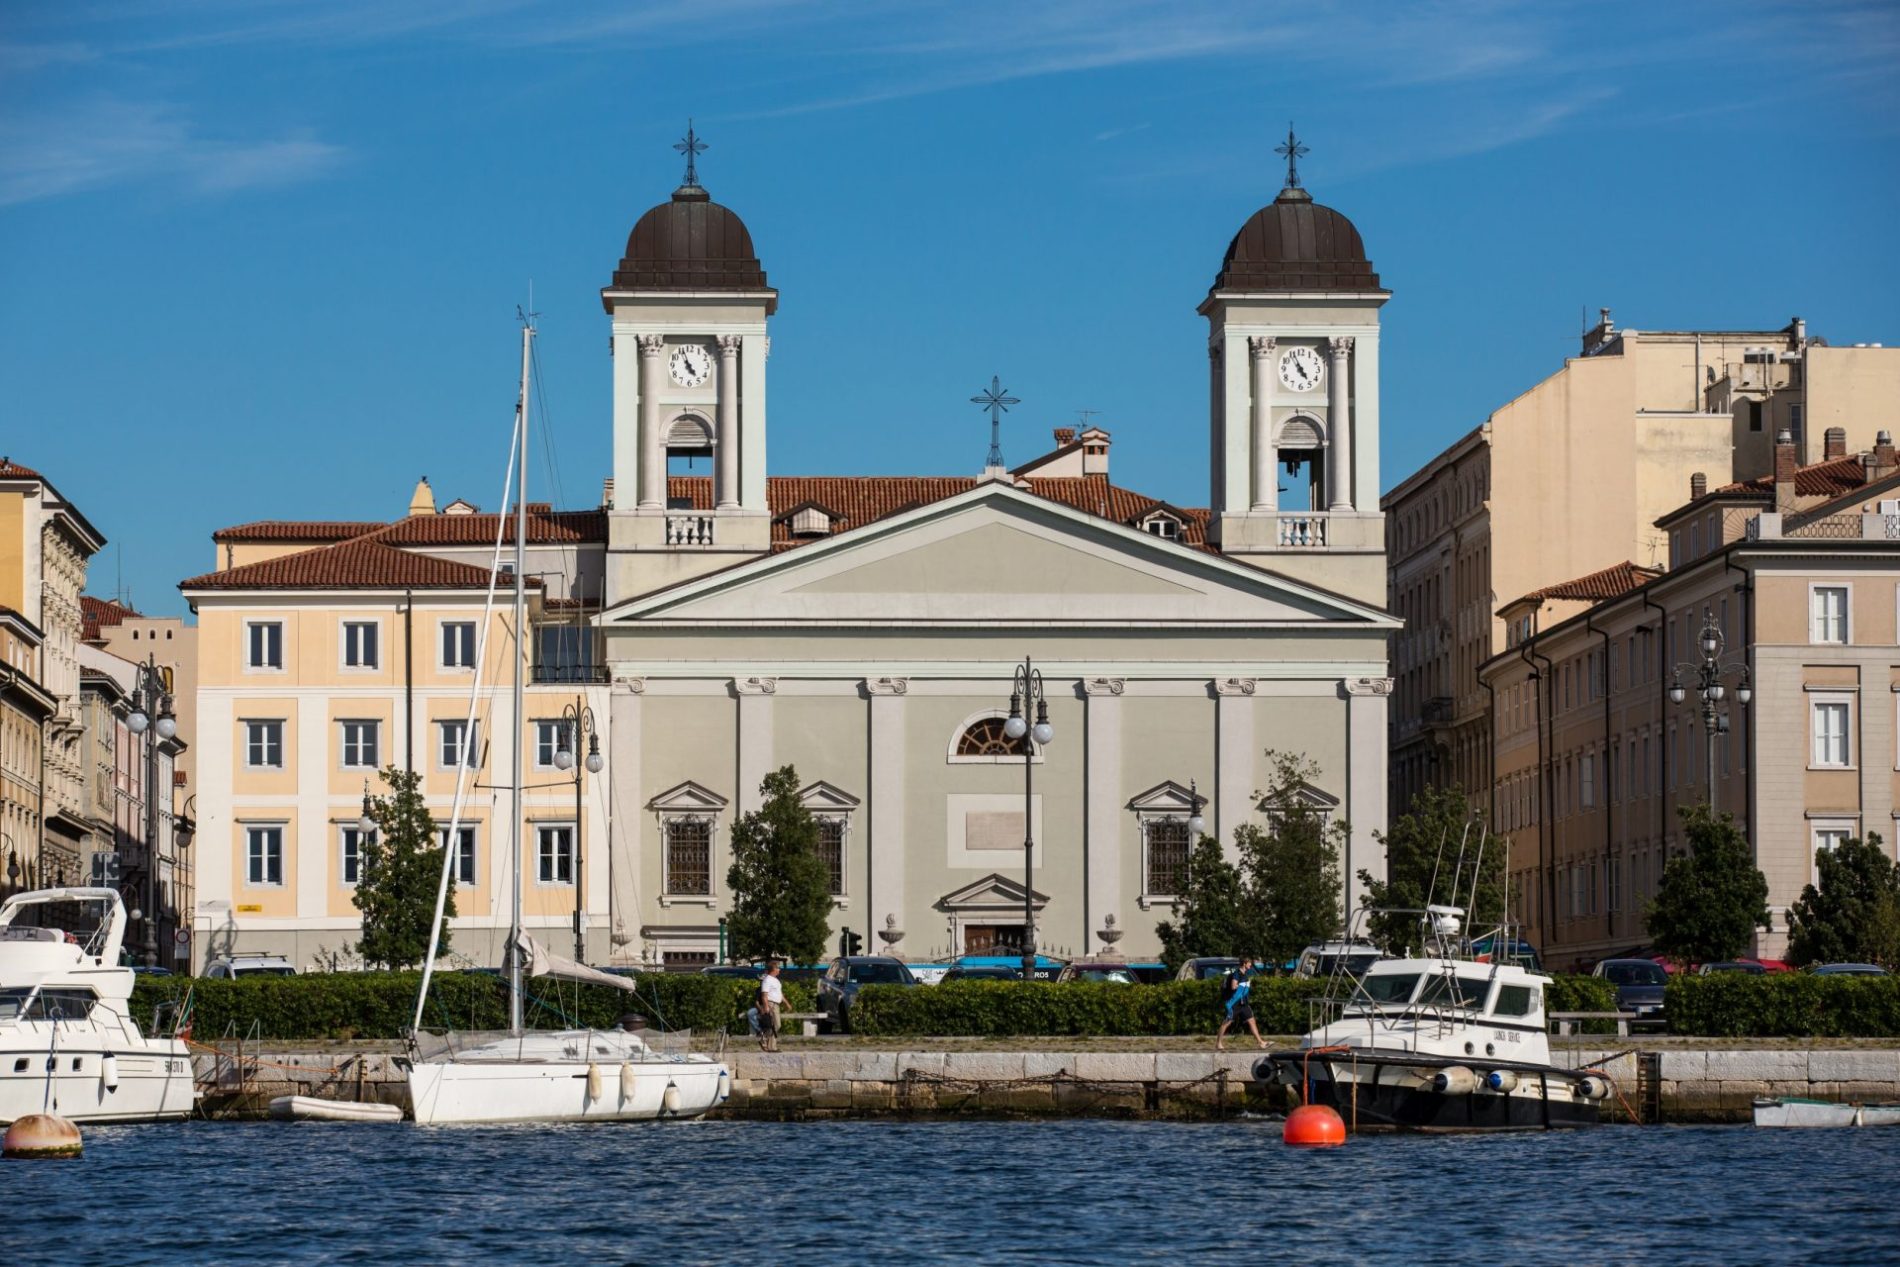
1300 456
689 452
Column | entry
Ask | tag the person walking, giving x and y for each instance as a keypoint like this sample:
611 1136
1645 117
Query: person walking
1234 991
771 999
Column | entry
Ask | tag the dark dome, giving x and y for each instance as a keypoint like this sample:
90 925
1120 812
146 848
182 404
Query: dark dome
1293 243
690 243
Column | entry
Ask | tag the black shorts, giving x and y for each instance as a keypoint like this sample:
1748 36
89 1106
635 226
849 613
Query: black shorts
1240 1014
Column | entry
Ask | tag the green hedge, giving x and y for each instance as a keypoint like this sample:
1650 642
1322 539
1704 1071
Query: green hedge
1582 994
347 1005
999 1009
1783 1005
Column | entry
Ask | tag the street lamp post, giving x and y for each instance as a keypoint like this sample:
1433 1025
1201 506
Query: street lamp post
1705 679
152 719
1026 689
577 723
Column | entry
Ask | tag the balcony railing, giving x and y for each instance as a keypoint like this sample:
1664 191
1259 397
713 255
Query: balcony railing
570 672
689 530
1303 531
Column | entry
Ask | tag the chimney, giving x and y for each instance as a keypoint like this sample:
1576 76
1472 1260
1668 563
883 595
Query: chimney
1786 464
422 501
1095 452
1834 443
607 493
1698 486
1065 435
1882 461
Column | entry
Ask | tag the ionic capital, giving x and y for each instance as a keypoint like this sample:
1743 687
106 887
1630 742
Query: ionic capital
1104 685
1235 686
886 686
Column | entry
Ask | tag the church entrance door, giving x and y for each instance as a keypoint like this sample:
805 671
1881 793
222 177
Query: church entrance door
992 939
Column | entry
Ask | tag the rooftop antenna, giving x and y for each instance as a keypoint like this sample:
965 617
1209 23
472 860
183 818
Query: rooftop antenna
997 400
1082 417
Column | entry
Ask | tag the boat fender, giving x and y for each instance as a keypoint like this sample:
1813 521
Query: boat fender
1592 1087
725 1085
1501 1080
670 1099
1265 1068
626 1080
593 1081
109 1072
1455 1080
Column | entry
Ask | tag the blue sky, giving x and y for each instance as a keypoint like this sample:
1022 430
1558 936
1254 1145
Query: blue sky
261 258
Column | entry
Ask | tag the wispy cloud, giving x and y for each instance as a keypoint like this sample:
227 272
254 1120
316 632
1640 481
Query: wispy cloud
110 142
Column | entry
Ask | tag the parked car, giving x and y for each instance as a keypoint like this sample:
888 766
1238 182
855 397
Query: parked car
1747 966
1207 966
1322 957
838 988
1152 972
983 974
786 972
1115 971
1851 970
1639 987
247 964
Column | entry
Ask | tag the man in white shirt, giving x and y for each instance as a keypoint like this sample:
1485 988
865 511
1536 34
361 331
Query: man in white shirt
771 999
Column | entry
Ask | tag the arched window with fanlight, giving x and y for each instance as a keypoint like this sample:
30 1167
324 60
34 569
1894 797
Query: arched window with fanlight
982 739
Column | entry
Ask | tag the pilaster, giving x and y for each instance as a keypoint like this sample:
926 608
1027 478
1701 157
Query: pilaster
755 696
1233 757
626 815
1102 821
1367 701
884 850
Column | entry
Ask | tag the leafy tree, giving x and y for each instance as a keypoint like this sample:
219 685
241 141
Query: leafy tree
1711 901
1211 913
1422 864
1853 914
781 888
1280 895
401 871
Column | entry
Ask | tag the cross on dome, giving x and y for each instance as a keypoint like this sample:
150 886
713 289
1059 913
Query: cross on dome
691 146
997 400
1292 151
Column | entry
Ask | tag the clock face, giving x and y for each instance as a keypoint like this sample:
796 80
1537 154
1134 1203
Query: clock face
1301 369
690 364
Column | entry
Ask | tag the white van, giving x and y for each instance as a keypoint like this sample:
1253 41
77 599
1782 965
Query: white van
254 964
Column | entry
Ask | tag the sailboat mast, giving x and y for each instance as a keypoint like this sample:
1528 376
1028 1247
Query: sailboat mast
520 651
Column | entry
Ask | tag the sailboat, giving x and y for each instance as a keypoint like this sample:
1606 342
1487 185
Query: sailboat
575 1075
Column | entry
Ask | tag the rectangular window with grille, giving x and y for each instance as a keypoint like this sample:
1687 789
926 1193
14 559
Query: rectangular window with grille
554 853
689 857
1167 856
458 644
359 644
459 744
264 856
1828 614
359 744
464 851
266 645
264 745
1830 733
831 851
354 838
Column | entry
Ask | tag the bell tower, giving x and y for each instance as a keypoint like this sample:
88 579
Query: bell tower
689 305
1293 345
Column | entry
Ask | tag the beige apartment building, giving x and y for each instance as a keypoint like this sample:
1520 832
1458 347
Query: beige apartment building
861 628
1570 478
25 708
45 544
1798 575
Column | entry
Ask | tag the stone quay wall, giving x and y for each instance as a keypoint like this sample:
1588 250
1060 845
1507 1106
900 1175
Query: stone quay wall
1696 1084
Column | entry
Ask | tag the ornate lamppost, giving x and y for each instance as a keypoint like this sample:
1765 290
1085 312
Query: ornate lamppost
577 723
153 720
1705 679
1026 689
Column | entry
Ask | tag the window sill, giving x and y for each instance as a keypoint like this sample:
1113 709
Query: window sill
679 899
840 903
1837 769
1148 901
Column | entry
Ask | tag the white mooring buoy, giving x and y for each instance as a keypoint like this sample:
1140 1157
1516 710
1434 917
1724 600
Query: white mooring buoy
41 1135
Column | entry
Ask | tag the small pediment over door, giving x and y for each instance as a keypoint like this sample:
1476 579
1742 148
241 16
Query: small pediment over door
994 892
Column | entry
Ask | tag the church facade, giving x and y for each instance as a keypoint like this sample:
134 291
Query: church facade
864 629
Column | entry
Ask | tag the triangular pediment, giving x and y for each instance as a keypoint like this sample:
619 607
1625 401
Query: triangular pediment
821 797
688 798
1167 797
993 892
997 556
1305 796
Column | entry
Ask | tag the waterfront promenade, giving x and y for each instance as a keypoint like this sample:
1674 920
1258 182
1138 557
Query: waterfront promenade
1694 1080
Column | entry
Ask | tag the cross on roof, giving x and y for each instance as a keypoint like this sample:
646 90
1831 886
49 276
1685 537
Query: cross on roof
691 146
1292 152
997 401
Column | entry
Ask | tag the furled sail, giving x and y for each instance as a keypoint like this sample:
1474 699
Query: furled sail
538 961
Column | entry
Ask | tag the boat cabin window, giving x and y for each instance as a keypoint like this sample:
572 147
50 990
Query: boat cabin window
1456 992
65 1005
1516 1000
1386 988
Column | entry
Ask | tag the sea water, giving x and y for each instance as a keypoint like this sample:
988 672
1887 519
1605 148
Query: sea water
962 1192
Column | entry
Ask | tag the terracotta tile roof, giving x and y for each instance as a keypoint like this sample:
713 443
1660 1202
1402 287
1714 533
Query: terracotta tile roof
97 613
11 470
313 531
1612 582
1821 479
366 563
546 526
857 500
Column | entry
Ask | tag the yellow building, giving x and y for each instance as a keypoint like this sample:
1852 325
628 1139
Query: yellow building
320 664
1798 574
1570 478
45 544
25 706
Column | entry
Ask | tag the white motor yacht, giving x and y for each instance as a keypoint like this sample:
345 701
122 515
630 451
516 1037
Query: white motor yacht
1441 1042
68 1044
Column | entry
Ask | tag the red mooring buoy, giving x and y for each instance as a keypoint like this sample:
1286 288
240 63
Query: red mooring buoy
1315 1126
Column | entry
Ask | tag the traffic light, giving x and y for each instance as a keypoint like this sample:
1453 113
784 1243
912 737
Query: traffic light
853 943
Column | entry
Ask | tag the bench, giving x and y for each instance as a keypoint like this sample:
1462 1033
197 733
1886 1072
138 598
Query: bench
1565 1023
808 1022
